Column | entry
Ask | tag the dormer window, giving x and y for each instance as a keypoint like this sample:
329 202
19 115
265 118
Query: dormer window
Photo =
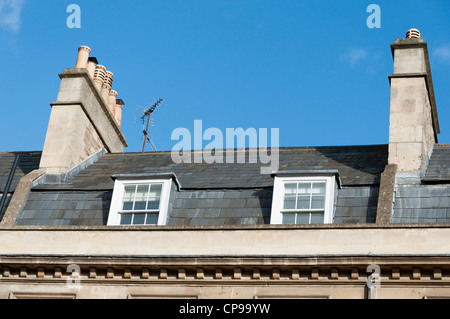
141 204
303 199
140 199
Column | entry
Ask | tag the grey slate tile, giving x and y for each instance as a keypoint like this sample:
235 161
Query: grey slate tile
236 203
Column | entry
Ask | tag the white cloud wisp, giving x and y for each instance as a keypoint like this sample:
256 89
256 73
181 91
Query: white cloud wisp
10 11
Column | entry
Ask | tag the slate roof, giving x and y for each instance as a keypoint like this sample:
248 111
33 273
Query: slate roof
28 161
210 194
427 199
438 169
235 193
357 165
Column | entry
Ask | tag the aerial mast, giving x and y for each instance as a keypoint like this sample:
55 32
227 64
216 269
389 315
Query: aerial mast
147 115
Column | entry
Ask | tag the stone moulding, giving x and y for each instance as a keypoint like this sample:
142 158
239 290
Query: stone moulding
228 271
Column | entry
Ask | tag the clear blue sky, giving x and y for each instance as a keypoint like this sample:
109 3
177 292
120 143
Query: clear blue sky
313 69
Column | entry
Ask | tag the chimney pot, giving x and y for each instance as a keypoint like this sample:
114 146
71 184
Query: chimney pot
118 111
109 78
114 94
413 34
83 56
92 63
112 101
106 85
99 76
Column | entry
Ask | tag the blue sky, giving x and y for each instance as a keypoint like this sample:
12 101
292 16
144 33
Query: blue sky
313 69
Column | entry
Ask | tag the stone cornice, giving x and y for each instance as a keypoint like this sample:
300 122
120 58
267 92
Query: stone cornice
228 271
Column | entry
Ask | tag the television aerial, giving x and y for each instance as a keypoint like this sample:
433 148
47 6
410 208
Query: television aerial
145 117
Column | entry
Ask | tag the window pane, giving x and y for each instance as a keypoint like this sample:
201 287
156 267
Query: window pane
153 204
152 219
141 197
318 188
142 191
288 218
140 205
318 202
303 202
139 219
289 202
127 205
317 218
129 192
304 188
125 219
290 188
155 190
303 218
128 197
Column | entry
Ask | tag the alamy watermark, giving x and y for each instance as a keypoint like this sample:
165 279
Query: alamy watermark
73 280
374 277
373 281
256 151
374 20
74 19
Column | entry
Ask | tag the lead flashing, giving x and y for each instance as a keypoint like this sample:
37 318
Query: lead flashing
324 172
148 176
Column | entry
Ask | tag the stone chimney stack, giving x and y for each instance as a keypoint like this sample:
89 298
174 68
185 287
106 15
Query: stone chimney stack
413 124
81 124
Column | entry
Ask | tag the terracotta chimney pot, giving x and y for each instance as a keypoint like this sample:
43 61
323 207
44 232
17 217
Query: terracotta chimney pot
112 101
92 63
99 76
413 34
118 111
106 85
83 56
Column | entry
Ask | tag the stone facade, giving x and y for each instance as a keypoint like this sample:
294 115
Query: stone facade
226 262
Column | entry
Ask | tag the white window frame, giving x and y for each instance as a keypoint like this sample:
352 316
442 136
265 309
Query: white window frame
119 190
276 216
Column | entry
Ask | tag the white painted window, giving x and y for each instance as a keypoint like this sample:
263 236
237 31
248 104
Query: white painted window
303 200
140 202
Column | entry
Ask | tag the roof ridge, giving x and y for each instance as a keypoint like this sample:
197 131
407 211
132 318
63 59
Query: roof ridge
284 148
